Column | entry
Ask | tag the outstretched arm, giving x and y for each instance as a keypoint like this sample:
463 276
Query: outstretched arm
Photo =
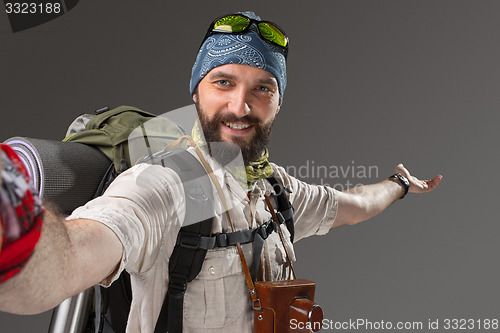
363 202
68 257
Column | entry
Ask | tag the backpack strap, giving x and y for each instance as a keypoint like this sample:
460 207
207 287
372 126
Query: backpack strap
187 258
285 209
187 238
284 213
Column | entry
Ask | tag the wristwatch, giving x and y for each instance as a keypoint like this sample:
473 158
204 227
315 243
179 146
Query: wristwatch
402 179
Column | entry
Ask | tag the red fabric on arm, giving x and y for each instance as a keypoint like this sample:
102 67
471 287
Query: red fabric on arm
21 215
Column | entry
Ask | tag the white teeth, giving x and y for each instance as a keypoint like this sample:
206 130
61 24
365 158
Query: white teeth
237 126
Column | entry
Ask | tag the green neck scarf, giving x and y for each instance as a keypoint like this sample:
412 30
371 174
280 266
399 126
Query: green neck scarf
255 171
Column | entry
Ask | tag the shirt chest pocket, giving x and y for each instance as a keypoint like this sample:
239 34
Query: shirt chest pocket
219 294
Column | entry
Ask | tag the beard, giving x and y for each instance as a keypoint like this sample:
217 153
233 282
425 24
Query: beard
251 150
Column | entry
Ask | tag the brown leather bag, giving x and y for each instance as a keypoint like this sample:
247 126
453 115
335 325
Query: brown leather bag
287 306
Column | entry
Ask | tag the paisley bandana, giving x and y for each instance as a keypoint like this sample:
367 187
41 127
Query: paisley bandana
246 49
258 169
21 215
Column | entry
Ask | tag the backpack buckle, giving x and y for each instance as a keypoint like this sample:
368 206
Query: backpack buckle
266 229
188 240
177 285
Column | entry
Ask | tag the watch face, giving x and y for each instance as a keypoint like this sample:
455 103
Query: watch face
404 179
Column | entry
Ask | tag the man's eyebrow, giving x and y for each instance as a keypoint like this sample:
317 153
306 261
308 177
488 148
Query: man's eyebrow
268 80
221 75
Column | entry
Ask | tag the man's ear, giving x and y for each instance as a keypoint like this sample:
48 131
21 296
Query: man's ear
195 96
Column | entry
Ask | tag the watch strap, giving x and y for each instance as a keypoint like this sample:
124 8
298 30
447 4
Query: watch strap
403 181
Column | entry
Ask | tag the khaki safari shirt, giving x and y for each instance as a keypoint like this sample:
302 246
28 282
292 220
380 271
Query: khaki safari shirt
145 208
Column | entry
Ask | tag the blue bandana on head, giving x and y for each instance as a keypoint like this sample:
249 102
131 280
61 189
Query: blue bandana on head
246 49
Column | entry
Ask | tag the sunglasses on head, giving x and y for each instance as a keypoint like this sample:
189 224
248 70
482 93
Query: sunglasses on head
240 24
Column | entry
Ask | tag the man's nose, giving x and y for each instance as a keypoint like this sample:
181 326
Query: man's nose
238 104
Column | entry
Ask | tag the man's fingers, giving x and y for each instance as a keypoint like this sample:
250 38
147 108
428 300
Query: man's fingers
423 186
417 185
434 182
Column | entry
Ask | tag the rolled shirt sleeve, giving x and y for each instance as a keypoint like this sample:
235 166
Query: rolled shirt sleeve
315 206
145 208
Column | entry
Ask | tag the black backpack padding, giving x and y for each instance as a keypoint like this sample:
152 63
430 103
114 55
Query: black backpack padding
120 298
65 173
285 209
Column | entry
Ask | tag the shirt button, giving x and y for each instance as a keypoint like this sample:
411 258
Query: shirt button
211 270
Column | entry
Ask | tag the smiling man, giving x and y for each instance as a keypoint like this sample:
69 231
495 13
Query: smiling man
238 83
238 103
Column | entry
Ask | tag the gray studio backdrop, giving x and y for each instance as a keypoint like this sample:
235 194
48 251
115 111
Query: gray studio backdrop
371 84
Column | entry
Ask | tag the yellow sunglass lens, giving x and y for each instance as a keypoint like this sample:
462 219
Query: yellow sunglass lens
232 23
224 28
273 34
238 23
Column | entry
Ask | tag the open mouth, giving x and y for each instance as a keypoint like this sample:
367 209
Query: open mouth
237 128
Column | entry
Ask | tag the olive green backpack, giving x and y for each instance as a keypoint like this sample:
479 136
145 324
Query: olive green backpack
110 131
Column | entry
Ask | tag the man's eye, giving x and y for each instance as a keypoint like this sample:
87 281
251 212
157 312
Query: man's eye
263 88
223 82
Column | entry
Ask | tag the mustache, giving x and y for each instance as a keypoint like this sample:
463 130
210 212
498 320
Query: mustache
230 118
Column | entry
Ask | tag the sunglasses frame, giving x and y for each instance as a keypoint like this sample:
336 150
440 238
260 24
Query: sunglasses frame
210 31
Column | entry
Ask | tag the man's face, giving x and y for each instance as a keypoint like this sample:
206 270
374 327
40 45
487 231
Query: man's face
237 103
